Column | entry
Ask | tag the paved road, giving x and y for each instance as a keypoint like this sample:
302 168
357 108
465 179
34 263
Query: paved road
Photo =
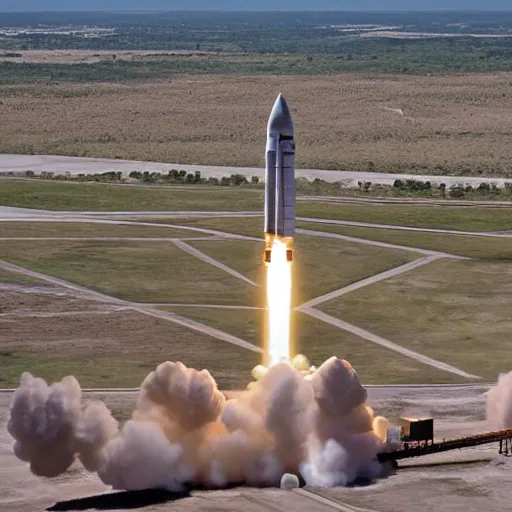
402 269
76 165
375 243
502 234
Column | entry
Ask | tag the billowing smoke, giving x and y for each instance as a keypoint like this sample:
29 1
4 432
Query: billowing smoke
184 433
499 403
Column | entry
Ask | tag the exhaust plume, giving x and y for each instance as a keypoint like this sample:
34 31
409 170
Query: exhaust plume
184 433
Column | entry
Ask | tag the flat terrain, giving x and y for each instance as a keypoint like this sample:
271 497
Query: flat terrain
374 364
456 311
52 334
90 197
133 270
469 480
143 271
87 230
455 124
312 275
485 248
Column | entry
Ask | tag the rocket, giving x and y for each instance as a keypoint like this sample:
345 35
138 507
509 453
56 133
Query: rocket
280 180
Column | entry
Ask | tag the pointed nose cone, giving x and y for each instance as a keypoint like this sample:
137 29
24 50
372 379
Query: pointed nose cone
280 120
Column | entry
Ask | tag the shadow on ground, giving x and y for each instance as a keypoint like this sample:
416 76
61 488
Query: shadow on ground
120 500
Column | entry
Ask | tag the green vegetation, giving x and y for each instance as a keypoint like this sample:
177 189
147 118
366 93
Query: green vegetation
296 43
248 226
7 277
84 229
320 265
115 350
303 186
320 341
421 216
132 271
91 196
455 311
478 247
390 58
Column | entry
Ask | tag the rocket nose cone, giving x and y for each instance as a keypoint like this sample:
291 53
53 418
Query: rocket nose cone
280 120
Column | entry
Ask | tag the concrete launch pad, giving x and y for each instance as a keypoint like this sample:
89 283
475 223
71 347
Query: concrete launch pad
469 480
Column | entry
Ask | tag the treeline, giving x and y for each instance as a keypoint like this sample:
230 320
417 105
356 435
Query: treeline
252 39
316 187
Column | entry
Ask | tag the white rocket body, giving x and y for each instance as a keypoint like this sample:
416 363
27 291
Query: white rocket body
279 176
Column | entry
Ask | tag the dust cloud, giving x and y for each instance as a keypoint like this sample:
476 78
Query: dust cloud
184 433
499 403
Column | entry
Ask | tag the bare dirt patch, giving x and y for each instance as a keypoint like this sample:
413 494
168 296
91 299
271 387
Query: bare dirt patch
435 124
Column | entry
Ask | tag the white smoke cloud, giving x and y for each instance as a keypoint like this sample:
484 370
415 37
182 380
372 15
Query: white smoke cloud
499 403
184 433
52 427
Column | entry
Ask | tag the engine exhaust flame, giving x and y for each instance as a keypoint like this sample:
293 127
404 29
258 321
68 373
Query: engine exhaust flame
279 285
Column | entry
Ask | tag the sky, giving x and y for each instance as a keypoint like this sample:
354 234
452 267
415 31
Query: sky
239 5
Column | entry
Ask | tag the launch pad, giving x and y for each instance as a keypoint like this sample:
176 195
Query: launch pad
464 479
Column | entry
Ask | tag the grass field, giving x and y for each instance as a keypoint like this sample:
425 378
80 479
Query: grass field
458 312
91 197
14 278
424 216
99 197
83 229
145 272
485 248
118 350
454 311
320 341
250 226
320 266
455 124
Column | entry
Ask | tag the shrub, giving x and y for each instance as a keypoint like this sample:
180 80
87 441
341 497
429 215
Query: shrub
238 179
457 191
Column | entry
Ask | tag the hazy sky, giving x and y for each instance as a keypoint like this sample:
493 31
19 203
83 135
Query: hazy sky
379 5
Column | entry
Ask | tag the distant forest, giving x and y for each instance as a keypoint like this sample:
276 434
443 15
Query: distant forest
287 42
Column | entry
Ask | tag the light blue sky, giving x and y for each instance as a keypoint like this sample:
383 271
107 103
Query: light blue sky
377 5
